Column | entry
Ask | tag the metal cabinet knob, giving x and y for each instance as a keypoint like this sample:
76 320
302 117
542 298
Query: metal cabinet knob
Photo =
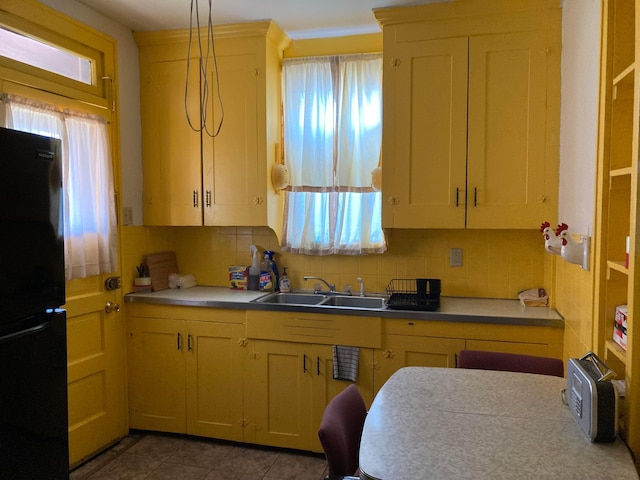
111 307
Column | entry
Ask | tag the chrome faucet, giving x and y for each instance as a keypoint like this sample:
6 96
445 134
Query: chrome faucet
361 282
332 287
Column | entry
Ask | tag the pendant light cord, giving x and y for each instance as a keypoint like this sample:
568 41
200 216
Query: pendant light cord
203 61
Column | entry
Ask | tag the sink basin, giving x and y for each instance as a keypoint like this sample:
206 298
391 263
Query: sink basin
358 302
292 298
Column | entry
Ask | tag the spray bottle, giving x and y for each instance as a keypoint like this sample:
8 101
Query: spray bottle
275 275
254 269
268 273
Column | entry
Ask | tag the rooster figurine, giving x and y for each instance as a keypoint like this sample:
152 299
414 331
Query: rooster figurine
572 251
552 243
563 227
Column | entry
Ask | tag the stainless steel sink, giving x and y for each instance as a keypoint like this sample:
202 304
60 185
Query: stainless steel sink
292 298
320 300
357 302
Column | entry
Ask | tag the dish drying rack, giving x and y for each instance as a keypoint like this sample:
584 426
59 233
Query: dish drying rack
414 294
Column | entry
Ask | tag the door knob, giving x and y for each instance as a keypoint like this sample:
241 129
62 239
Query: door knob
111 307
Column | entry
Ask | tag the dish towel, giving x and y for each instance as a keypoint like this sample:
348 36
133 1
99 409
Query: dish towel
345 363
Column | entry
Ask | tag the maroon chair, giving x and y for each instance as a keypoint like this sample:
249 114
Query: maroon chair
510 362
340 432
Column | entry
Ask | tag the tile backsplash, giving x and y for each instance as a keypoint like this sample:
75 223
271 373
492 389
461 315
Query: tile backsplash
495 263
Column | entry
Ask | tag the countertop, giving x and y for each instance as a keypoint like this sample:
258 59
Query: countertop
454 423
454 309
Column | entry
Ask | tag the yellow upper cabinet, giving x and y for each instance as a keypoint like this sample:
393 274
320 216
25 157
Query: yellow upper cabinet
202 176
471 114
170 148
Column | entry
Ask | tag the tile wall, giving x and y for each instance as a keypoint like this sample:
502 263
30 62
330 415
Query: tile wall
496 263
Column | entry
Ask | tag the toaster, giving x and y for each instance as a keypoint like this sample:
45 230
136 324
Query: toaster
592 397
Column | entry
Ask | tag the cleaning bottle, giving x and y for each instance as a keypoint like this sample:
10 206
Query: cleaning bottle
254 270
271 263
266 275
284 282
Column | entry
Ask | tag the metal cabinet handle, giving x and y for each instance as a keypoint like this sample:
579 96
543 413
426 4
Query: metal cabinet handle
304 363
475 196
179 341
457 196
195 199
207 198
189 342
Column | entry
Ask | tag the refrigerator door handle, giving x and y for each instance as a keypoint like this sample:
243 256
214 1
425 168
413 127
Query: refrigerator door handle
25 332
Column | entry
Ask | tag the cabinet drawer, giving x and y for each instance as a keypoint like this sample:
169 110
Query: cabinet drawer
536 340
204 314
315 328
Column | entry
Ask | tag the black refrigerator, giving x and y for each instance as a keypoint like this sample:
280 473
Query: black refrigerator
33 349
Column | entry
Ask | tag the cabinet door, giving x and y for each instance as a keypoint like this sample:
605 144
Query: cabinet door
278 399
413 351
325 387
171 155
425 114
214 363
156 375
235 179
513 122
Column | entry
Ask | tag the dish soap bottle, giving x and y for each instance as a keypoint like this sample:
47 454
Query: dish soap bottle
284 283
254 270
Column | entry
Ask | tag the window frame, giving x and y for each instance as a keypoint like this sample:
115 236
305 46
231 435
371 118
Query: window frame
45 25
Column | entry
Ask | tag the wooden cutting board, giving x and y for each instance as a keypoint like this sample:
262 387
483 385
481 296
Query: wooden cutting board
160 266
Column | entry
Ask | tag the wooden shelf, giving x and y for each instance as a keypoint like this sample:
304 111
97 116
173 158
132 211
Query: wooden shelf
621 172
626 76
615 349
618 267
617 284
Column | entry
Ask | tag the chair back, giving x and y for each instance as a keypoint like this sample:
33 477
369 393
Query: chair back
340 432
510 362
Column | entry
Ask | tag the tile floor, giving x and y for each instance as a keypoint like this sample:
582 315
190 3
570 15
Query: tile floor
151 456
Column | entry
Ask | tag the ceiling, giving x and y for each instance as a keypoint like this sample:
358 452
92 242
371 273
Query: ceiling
298 18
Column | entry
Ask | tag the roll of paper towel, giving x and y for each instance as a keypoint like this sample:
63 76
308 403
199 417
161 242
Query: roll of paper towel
181 281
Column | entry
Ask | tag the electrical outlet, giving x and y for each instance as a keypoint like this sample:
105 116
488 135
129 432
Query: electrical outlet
455 257
127 215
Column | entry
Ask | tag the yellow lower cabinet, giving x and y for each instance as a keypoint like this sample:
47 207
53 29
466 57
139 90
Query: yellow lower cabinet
215 354
186 377
156 375
291 383
279 394
436 344
414 351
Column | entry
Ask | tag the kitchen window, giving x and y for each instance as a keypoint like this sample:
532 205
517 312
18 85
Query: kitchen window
90 229
332 113
50 58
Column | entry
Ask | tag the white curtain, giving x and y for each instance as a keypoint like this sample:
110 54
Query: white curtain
332 138
90 230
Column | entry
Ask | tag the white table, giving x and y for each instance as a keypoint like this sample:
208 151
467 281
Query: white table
453 423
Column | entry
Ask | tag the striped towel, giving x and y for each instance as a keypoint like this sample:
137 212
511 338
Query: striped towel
345 363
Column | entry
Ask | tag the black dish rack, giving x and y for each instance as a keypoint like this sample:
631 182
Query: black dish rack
414 294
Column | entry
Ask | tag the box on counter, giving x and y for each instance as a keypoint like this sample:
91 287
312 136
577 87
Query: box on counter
238 275
620 326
